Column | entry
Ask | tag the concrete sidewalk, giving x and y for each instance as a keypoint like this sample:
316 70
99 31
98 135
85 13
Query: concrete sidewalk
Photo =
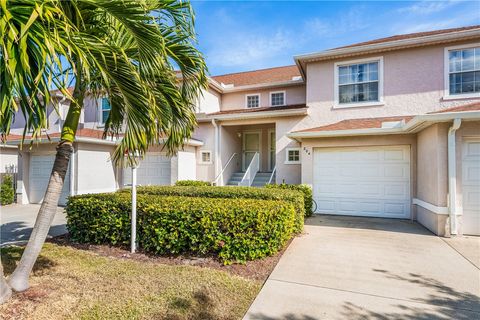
369 268
18 220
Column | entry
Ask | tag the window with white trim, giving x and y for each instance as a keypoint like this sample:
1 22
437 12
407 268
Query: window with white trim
464 71
358 82
206 157
253 100
292 156
106 107
277 98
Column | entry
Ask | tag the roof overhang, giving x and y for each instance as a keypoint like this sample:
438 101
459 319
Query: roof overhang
254 115
303 59
15 143
418 123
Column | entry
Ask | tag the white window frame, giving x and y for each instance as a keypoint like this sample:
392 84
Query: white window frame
287 150
200 160
284 98
101 124
446 73
337 65
252 95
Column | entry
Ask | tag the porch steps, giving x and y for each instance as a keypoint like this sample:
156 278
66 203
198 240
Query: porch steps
261 179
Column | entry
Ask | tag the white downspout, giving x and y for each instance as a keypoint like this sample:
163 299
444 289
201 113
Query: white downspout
452 177
217 146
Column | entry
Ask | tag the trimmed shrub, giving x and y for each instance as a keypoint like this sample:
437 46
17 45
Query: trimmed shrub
236 230
306 190
7 194
192 183
293 196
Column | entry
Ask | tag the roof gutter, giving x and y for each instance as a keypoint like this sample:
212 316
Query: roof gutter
255 115
414 125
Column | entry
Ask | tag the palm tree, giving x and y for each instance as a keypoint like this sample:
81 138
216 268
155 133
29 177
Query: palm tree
127 50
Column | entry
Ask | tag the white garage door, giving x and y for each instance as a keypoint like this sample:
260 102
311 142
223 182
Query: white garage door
154 169
40 169
471 186
363 181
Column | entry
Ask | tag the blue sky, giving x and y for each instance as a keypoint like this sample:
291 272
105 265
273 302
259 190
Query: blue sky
244 35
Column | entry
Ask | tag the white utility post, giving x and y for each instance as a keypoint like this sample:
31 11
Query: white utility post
133 245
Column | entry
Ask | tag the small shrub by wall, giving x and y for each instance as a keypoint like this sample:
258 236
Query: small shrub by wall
7 194
192 183
306 190
236 230
293 196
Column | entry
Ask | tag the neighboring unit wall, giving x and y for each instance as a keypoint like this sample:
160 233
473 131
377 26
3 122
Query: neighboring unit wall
94 170
209 101
236 100
8 157
184 165
432 178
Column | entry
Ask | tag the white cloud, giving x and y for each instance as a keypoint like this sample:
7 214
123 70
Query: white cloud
249 49
428 7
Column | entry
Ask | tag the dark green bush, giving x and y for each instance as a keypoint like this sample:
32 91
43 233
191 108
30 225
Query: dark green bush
306 190
293 196
192 183
236 230
7 194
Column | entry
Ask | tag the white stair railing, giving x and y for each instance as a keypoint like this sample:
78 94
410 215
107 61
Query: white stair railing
251 171
273 174
220 175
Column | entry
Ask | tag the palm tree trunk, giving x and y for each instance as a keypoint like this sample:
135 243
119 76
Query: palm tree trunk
18 281
19 278
5 290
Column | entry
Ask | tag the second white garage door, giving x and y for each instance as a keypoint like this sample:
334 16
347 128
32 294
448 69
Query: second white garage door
40 170
363 181
471 186
154 169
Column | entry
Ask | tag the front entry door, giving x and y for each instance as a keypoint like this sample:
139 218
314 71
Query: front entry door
251 145
271 154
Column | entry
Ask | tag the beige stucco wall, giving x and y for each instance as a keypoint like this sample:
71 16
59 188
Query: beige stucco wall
236 100
413 84
206 133
8 157
432 175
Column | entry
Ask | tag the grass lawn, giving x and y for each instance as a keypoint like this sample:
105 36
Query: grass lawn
70 283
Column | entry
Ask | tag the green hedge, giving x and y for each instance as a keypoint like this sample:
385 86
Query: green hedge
7 194
293 196
192 183
306 190
236 230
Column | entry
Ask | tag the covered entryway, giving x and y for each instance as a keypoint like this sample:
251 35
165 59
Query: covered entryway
363 181
154 169
40 169
471 186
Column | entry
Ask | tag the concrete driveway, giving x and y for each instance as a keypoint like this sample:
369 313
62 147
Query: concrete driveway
17 222
369 268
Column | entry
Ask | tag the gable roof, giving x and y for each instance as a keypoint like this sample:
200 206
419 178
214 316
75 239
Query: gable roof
409 36
261 76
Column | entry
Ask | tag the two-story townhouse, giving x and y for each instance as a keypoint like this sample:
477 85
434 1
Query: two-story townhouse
386 128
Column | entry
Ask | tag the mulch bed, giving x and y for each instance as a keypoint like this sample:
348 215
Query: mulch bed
255 270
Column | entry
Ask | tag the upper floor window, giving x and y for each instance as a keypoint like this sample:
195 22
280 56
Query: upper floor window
358 82
277 98
253 100
105 110
464 71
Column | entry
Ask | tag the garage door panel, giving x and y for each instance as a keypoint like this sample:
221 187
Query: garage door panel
365 181
39 176
154 169
471 186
